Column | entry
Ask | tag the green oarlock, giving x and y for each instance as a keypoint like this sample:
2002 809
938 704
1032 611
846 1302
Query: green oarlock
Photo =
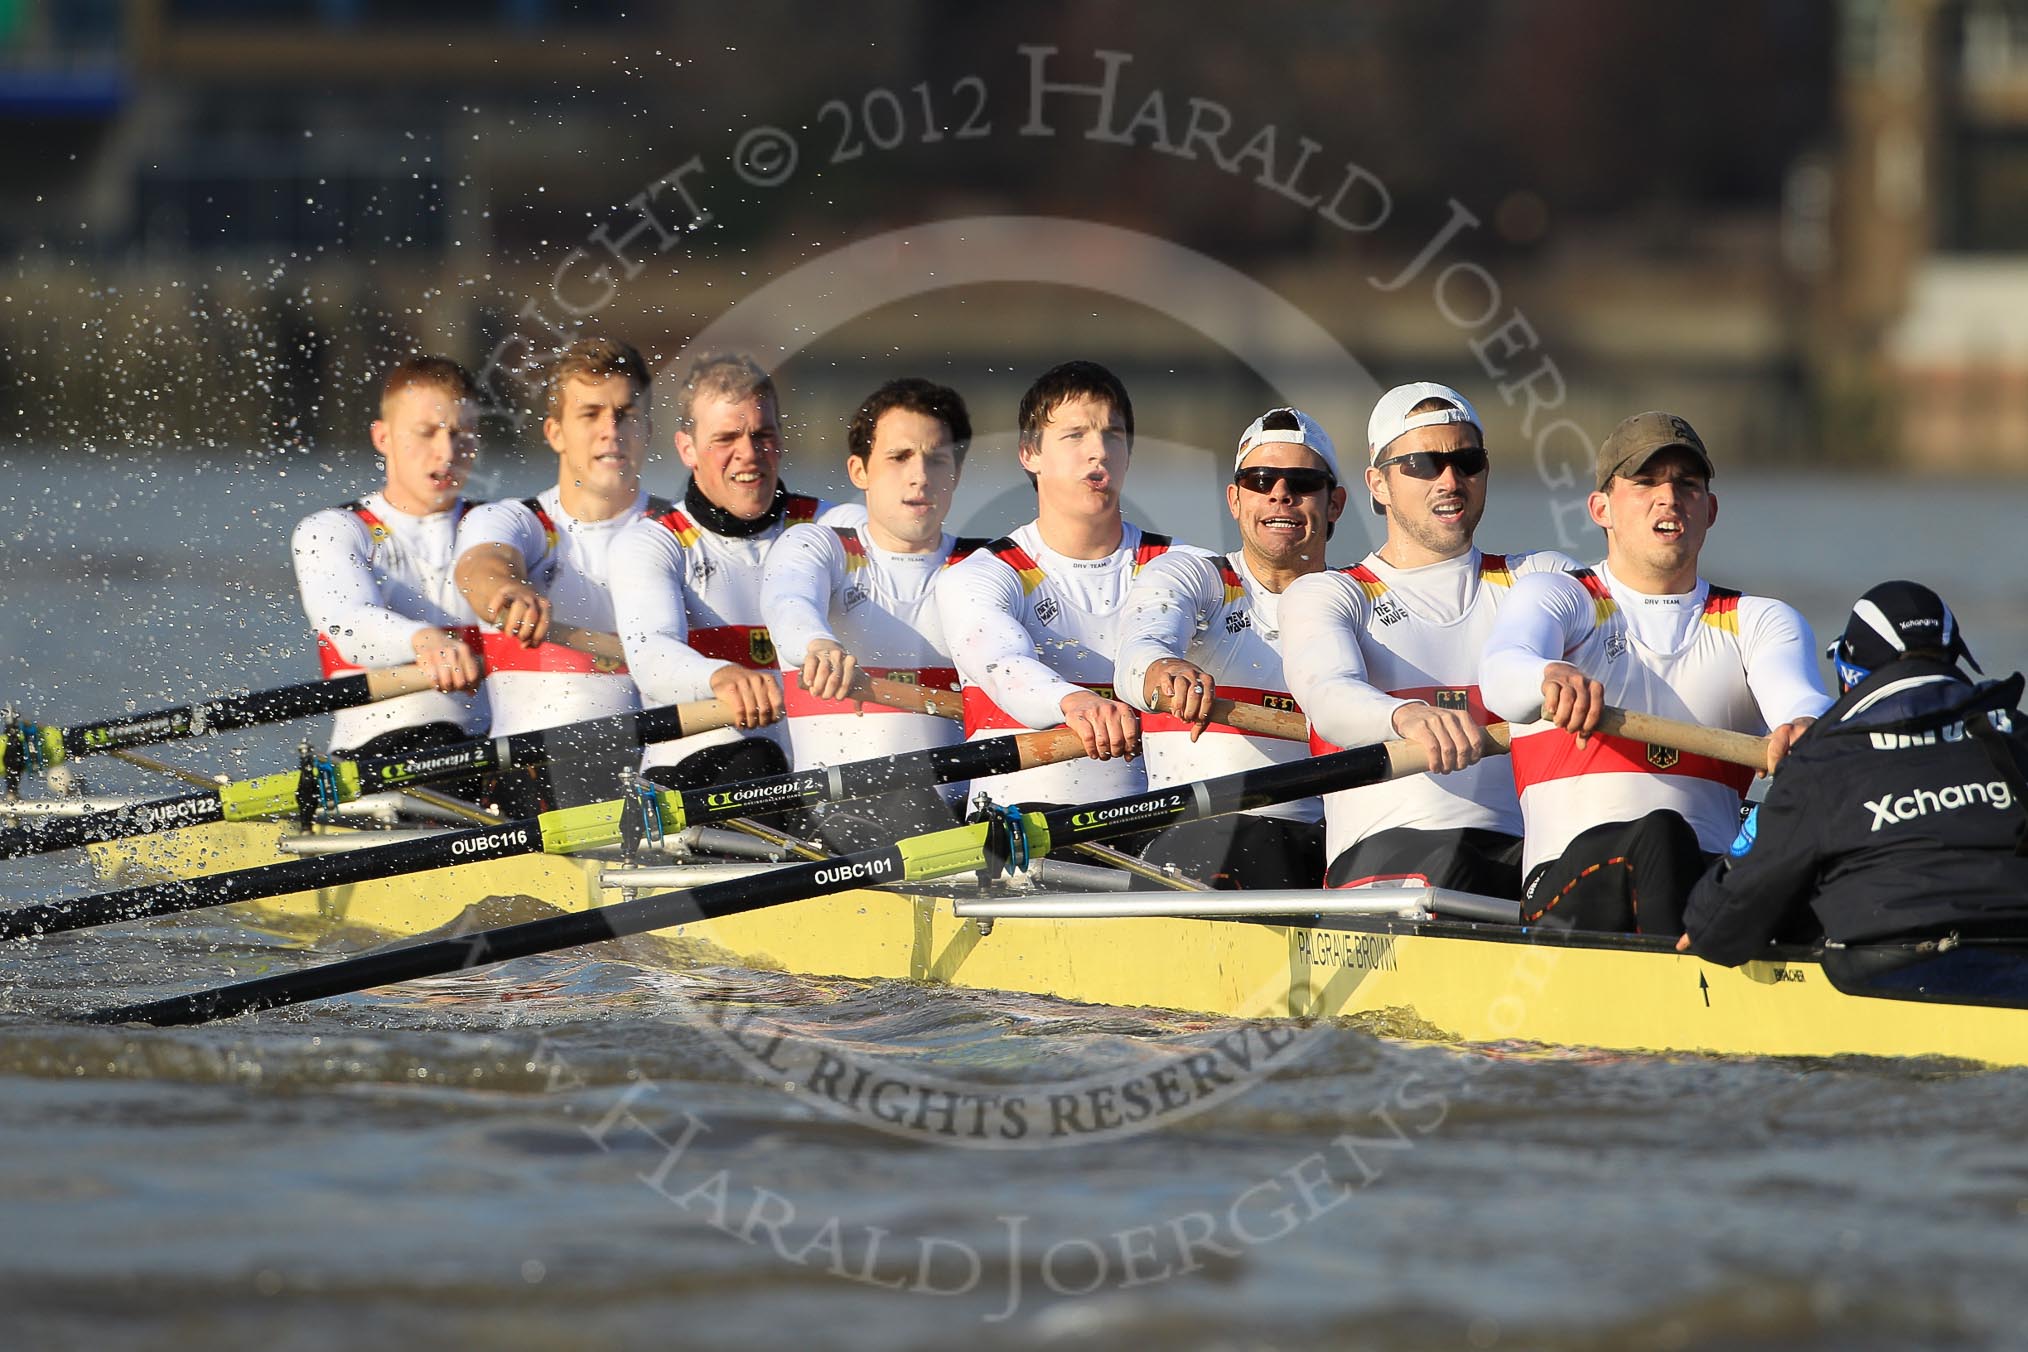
52 745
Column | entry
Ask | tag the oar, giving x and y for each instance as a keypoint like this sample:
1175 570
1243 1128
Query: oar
1719 744
342 781
1261 722
564 831
963 849
328 783
35 746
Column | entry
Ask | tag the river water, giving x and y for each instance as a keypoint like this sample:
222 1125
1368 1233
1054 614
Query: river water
548 1154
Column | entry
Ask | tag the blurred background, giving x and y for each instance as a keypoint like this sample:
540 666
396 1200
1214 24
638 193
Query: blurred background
1800 223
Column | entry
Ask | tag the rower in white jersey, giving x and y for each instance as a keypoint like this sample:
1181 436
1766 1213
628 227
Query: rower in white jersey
375 574
1390 648
1619 831
690 613
1030 617
1198 626
840 600
528 566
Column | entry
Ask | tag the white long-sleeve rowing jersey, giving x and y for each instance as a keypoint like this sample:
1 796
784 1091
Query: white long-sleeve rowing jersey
1708 656
1362 641
570 562
1027 626
1214 613
832 582
371 578
692 604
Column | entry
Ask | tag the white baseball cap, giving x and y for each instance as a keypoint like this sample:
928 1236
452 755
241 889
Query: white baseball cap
1391 417
1287 426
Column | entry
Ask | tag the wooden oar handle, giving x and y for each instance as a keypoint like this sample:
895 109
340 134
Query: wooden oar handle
1289 726
592 642
908 695
393 682
1720 744
1048 748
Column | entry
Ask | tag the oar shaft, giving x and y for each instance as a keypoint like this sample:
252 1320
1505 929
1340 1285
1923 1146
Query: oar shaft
566 831
55 744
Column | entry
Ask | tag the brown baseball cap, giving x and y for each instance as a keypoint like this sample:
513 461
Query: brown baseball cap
1637 439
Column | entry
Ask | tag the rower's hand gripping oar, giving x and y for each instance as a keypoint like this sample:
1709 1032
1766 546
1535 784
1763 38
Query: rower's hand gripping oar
1735 748
565 831
1014 836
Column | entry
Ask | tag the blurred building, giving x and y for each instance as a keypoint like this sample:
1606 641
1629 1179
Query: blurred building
1927 300
1803 221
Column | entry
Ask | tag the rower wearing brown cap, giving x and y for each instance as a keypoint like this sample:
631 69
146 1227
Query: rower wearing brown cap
1618 831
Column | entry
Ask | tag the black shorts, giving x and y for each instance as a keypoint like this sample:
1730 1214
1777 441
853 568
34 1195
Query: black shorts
1462 859
1242 850
1623 876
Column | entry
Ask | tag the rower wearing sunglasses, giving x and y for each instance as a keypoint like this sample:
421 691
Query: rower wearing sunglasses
1618 831
1197 625
1390 648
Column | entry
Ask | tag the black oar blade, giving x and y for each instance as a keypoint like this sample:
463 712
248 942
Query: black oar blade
440 956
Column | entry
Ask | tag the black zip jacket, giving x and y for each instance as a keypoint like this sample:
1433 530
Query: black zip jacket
1890 818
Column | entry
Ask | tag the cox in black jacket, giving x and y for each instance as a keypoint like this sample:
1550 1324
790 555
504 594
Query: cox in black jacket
1895 815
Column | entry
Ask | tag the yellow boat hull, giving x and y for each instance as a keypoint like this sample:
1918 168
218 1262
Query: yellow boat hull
1436 979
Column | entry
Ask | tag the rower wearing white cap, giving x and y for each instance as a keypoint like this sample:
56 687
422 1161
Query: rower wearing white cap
1390 648
1618 831
1198 625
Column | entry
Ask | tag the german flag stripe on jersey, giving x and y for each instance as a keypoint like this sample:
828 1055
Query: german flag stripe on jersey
1602 603
1721 610
376 529
1234 587
855 550
1493 568
549 532
1368 580
1152 547
682 527
799 509
1014 556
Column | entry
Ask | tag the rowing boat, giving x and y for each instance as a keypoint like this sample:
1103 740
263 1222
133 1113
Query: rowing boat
1397 968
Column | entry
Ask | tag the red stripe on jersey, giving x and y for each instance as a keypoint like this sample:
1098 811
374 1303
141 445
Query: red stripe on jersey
799 703
1465 697
982 715
800 509
745 645
1152 547
1541 757
1238 694
502 653
332 661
